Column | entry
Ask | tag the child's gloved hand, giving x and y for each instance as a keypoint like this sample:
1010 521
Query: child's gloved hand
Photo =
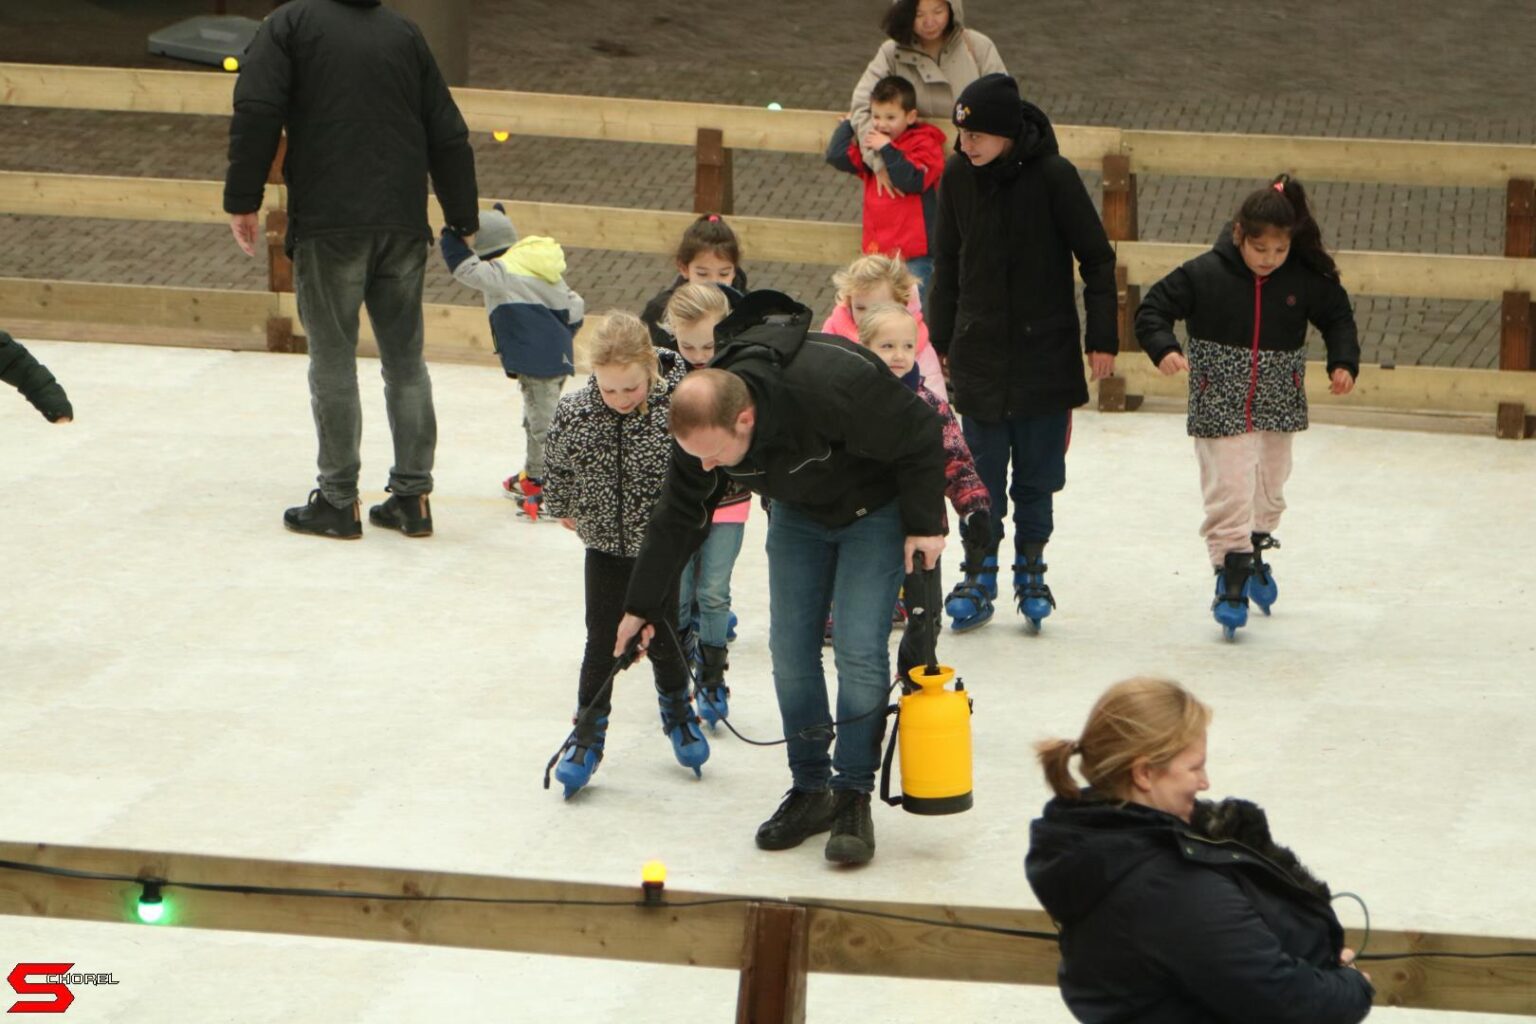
976 531
1342 382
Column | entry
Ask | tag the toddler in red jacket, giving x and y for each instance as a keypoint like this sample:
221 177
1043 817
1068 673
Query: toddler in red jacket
899 218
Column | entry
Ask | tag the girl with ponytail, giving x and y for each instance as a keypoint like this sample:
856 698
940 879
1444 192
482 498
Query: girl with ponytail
1173 909
1246 305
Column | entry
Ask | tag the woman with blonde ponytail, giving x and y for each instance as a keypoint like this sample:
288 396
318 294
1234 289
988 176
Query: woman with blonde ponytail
1175 910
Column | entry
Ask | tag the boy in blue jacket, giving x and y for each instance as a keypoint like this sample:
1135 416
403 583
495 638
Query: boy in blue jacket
534 319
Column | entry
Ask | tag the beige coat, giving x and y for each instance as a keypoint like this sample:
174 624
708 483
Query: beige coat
967 55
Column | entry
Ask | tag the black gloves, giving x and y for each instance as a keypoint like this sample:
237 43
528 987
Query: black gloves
976 532
20 369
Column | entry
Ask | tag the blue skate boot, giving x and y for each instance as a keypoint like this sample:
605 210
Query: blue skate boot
581 754
969 604
711 694
1029 590
682 727
1231 605
1262 588
730 629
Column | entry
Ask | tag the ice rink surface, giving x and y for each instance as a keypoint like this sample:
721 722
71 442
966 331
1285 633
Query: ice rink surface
181 674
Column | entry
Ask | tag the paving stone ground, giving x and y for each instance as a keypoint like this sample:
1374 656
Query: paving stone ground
1368 68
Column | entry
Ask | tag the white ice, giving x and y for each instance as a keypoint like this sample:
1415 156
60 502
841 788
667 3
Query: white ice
181 674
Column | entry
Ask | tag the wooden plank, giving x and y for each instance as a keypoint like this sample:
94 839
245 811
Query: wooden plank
709 936
1415 389
1478 986
1520 218
774 967
1509 424
95 196
1402 274
139 89
1517 332
1446 164
214 310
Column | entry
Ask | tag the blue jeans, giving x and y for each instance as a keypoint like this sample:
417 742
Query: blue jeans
1037 447
854 571
707 580
922 269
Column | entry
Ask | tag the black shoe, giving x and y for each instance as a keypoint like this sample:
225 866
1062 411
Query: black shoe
853 830
323 519
804 813
411 514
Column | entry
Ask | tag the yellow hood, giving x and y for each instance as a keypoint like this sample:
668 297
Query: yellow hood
536 256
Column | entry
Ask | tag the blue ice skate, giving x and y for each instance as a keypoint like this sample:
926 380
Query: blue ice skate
1262 588
1030 592
969 604
682 727
711 693
1231 604
730 629
579 758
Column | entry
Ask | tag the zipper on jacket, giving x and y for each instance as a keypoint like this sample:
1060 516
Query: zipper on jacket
1258 858
619 486
1253 371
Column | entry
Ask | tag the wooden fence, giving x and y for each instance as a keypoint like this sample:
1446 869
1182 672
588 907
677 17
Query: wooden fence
715 131
773 943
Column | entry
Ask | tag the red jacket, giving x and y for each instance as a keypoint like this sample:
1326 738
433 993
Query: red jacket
904 225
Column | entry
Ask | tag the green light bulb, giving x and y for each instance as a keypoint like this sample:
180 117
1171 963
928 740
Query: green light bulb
151 913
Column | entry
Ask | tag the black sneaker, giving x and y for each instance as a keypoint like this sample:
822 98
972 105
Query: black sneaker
804 813
853 830
411 514
323 519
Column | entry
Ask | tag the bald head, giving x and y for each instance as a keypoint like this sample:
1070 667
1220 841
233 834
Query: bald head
712 417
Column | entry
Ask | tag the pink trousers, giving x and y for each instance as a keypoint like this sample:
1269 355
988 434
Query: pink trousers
1242 479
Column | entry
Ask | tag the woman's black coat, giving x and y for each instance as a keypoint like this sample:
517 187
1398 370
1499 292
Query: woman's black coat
1167 923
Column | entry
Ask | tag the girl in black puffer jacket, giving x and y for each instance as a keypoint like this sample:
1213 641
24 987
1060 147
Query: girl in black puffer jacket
605 459
1174 910
1247 304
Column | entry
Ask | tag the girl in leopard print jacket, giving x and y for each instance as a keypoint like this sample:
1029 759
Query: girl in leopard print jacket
605 460
1247 304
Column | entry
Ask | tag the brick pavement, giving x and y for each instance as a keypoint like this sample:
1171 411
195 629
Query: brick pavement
1356 69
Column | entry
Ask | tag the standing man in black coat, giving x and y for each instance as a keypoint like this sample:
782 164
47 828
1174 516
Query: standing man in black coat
1012 215
369 117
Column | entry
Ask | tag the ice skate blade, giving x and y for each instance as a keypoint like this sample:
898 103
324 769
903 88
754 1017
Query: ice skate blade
957 626
1230 633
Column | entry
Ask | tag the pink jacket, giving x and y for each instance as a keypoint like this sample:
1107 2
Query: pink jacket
841 324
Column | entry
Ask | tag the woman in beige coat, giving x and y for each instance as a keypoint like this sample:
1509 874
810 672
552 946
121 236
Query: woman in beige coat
930 47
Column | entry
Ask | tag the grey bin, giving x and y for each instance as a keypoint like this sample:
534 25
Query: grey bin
206 39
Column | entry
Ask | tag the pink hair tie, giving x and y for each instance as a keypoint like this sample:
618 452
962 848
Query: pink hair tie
1280 187
714 218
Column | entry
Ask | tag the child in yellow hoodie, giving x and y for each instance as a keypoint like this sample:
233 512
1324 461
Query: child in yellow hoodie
534 319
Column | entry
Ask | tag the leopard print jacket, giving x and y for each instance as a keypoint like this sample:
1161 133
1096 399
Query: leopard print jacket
604 470
1236 390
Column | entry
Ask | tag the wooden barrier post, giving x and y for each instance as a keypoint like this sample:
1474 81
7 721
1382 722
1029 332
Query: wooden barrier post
1112 393
1510 425
774 965
1517 347
280 336
1520 218
713 188
1120 217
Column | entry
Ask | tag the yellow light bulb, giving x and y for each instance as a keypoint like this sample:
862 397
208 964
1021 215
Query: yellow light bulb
501 136
231 64
654 872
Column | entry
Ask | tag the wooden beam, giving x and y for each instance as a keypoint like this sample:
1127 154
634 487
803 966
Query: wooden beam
713 184
214 310
774 966
853 937
95 196
1443 164
1517 332
1520 218
1406 388
137 89
1402 274
1509 423
1121 222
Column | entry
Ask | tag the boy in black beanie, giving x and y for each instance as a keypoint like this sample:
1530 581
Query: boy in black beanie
1013 214
21 370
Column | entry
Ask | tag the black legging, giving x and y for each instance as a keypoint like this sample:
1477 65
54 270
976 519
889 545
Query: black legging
607 579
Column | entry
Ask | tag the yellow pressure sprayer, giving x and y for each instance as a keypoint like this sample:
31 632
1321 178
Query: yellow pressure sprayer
933 721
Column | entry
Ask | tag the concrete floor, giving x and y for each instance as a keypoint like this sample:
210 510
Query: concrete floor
181 674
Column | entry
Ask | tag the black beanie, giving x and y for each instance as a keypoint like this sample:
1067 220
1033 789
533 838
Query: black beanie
992 105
